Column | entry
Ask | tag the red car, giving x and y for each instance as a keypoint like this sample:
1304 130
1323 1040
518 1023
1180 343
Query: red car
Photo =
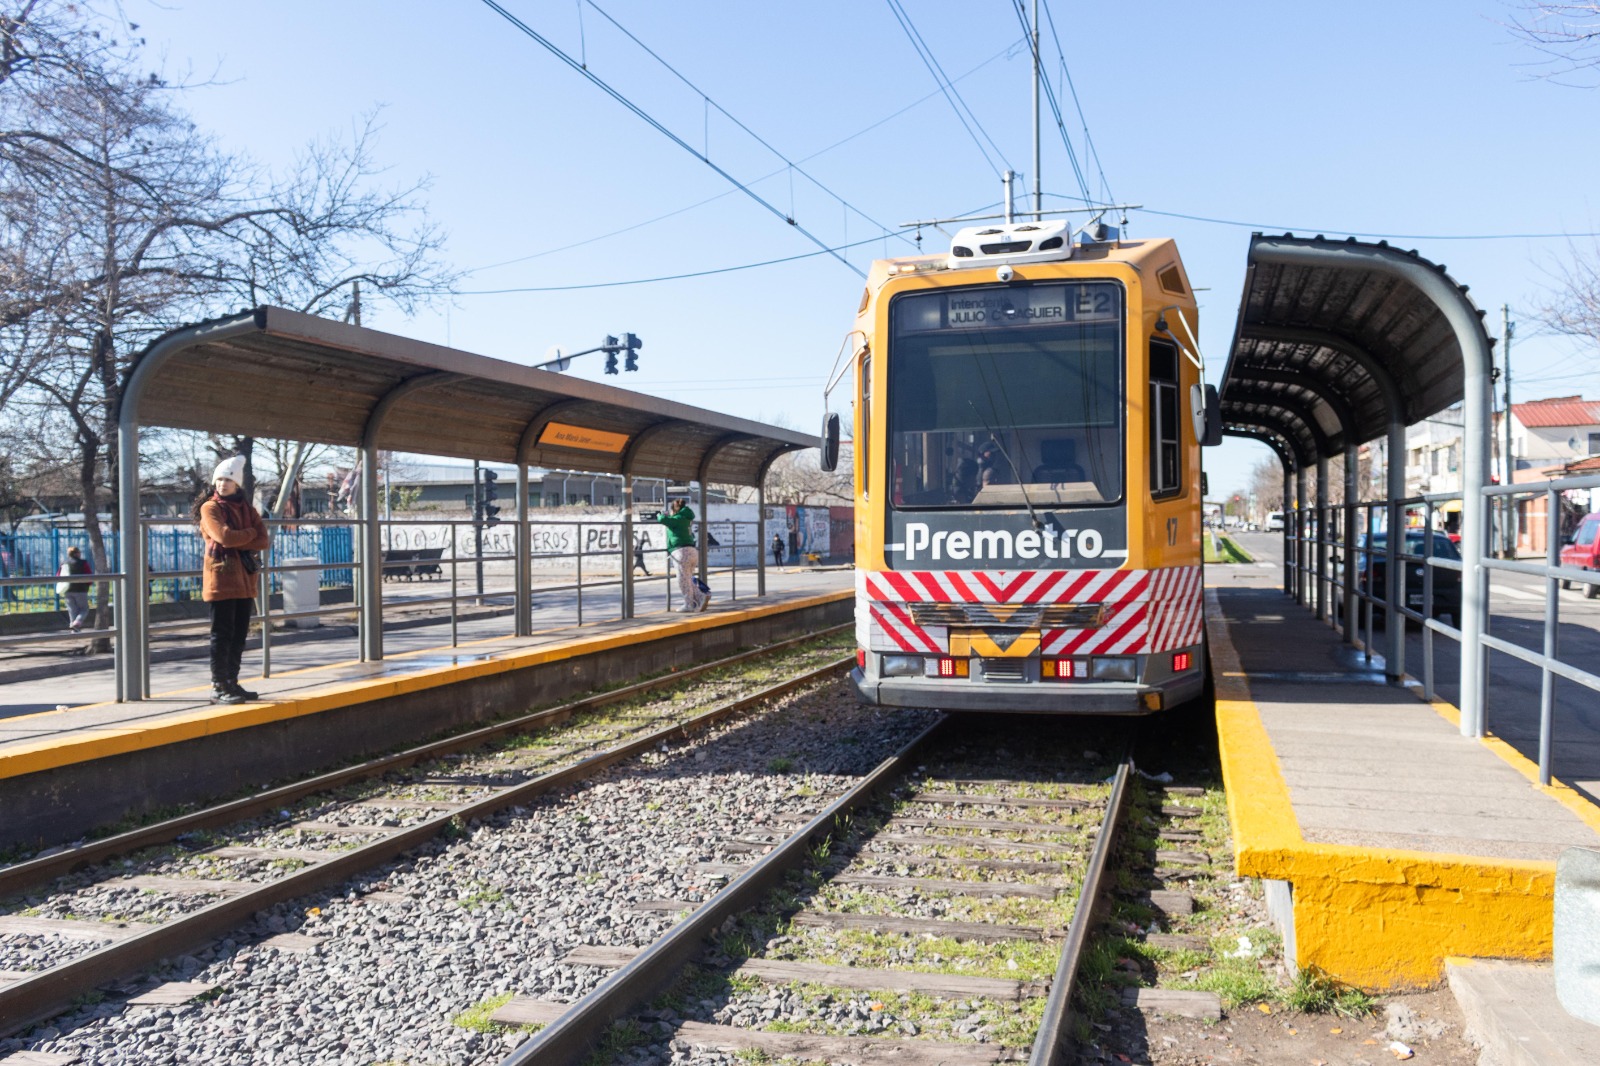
1583 551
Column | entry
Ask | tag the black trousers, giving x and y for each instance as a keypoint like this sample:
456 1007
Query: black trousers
230 625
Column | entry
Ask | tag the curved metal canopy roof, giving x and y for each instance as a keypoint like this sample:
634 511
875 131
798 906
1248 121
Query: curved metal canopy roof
1337 338
300 377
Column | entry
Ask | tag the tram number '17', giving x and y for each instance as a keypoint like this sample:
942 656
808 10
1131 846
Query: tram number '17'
1172 531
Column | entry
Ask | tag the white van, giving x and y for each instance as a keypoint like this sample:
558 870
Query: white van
1274 521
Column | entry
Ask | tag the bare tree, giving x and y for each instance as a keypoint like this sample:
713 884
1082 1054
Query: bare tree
796 478
123 220
1568 35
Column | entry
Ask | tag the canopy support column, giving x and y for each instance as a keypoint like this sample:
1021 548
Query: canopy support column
628 545
522 568
1321 536
1352 493
370 614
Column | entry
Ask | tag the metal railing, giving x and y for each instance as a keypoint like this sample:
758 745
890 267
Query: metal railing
445 545
1307 542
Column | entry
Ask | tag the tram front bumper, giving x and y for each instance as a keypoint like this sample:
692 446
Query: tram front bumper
1078 697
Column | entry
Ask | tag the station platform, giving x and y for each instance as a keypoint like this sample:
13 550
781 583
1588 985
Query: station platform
70 771
1389 842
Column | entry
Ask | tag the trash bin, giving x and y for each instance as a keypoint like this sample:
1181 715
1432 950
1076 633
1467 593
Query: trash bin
301 590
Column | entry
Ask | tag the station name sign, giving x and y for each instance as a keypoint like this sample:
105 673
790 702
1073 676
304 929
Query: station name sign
561 435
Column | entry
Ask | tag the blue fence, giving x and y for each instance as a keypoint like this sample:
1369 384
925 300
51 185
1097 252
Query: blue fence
41 553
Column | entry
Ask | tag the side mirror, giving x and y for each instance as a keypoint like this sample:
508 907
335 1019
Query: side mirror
830 443
1213 429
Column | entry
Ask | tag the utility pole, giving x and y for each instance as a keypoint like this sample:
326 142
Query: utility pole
1038 191
1508 517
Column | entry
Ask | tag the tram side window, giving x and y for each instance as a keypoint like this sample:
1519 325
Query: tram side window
1165 467
863 435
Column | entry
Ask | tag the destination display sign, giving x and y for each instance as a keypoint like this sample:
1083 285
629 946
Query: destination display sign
1019 305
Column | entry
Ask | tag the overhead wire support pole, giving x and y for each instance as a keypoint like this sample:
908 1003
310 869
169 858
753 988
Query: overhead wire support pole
1038 189
1508 531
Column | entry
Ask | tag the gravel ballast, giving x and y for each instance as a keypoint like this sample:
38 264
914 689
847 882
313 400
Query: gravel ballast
490 912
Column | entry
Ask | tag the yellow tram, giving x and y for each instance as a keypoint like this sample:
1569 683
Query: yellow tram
1029 413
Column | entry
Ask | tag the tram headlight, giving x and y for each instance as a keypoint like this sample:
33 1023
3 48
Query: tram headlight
901 665
1119 668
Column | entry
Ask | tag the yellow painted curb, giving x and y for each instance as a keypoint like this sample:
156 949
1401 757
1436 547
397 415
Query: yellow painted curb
35 756
1373 917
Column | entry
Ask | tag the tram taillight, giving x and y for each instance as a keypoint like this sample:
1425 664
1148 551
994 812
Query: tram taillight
951 667
1182 661
1057 669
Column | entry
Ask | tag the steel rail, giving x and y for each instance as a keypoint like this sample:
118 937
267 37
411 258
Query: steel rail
25 875
574 1035
40 997
1052 1044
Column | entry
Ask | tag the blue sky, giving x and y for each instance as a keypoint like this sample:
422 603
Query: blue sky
1418 121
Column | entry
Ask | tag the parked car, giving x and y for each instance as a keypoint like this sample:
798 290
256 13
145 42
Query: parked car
1274 521
1446 582
1583 551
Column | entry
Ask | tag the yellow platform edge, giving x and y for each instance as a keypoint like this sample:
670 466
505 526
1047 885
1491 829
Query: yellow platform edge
119 739
1377 918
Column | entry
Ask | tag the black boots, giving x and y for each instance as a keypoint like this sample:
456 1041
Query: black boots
231 692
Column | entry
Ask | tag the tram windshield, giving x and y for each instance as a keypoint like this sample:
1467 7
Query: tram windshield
1006 397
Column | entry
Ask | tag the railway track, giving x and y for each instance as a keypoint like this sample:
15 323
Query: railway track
184 885
910 898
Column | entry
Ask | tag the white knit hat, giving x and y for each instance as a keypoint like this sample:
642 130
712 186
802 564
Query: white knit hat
231 468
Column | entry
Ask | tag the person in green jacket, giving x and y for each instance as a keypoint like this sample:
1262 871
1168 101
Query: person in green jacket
679 520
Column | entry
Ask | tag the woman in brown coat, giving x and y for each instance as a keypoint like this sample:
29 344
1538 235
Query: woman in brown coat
233 533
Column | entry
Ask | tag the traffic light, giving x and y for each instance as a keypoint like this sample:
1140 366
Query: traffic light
631 342
610 348
491 511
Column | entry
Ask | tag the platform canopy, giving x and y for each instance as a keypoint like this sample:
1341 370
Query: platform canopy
271 372
1337 339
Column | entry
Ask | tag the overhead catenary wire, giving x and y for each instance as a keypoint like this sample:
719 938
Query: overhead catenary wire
770 174
659 127
792 165
675 277
1267 227
958 104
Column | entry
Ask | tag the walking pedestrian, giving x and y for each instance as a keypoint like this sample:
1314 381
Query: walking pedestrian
679 520
233 533
638 554
76 593
777 550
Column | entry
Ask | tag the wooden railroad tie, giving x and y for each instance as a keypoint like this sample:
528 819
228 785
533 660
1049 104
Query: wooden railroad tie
865 1051
970 799
72 928
931 840
780 971
934 927
1204 1005
184 886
